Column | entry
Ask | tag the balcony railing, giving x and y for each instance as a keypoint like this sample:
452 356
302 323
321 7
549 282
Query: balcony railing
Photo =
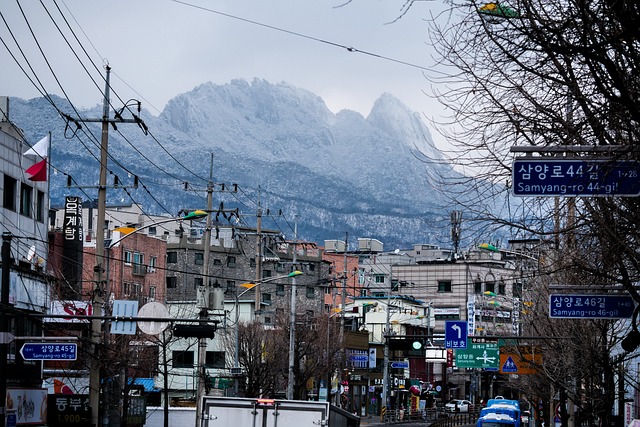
139 270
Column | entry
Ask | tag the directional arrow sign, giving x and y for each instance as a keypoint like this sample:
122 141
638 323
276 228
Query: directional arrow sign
485 355
400 364
49 351
572 178
455 334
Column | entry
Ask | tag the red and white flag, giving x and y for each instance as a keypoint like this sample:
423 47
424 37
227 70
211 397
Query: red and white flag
38 172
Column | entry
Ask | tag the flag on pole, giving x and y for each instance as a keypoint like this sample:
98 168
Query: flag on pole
41 149
38 172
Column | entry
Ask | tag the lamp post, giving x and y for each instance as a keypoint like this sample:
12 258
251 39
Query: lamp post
249 286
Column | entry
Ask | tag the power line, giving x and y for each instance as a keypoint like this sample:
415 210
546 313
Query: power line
304 36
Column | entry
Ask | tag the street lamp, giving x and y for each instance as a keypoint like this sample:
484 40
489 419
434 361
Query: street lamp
249 286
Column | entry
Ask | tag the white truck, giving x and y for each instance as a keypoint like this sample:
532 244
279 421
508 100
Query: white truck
257 412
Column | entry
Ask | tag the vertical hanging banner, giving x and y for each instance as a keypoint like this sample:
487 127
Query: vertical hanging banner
72 244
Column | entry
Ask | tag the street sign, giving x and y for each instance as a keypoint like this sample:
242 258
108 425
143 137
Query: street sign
572 178
509 366
590 306
49 351
400 364
513 362
480 353
455 334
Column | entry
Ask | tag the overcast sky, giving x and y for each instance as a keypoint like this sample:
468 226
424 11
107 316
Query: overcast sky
160 48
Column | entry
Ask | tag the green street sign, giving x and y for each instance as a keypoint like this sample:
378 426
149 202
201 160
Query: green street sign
480 353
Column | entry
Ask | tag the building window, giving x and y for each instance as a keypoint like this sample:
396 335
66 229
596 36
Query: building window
26 193
172 282
127 257
198 258
217 261
279 289
252 262
231 261
517 289
172 257
266 298
477 286
214 359
267 320
379 278
152 231
490 287
182 359
444 286
126 289
310 292
266 273
40 207
394 285
197 281
312 267
9 193
153 263
280 267
138 258
231 285
152 292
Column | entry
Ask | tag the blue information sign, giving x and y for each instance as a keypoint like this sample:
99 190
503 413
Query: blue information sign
49 351
589 306
455 334
400 364
571 178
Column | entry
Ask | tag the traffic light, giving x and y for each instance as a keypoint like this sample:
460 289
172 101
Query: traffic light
194 331
417 346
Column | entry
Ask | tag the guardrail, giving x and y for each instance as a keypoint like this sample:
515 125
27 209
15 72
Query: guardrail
402 415
457 419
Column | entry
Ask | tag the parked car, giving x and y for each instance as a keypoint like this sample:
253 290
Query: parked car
458 405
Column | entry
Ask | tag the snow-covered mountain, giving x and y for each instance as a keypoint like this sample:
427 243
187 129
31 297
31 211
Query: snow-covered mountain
379 176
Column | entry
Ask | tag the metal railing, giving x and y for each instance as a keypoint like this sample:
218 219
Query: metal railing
457 418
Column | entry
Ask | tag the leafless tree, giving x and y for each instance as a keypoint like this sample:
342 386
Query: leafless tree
553 73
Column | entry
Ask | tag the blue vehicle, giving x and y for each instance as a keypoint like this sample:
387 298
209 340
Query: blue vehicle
500 413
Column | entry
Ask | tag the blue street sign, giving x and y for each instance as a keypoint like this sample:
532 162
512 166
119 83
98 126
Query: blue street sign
455 334
400 364
571 178
49 351
509 366
590 306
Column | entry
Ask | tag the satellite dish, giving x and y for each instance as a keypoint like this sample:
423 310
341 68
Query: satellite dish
153 310
397 251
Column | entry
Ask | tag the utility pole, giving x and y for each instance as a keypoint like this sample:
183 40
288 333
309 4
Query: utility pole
343 303
98 286
4 323
258 255
292 322
385 367
206 304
